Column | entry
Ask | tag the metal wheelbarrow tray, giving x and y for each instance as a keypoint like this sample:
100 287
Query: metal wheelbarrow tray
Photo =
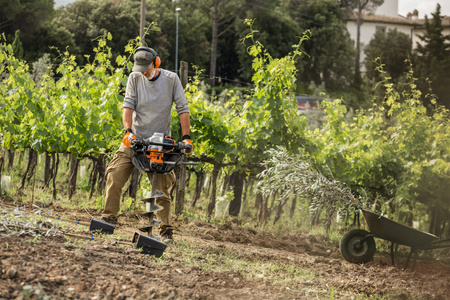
358 246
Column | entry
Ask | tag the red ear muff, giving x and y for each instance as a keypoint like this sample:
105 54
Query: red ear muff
157 62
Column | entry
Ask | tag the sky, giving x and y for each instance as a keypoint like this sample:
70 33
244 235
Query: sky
58 3
425 7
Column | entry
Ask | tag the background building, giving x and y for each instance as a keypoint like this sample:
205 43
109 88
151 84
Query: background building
386 17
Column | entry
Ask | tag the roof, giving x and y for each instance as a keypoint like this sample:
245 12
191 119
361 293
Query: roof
397 21
387 20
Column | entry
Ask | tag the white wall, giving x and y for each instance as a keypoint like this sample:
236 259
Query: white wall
368 30
388 8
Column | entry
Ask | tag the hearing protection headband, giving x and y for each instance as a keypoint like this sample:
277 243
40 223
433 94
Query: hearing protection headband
156 60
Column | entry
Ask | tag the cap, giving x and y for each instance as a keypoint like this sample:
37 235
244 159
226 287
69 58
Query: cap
142 60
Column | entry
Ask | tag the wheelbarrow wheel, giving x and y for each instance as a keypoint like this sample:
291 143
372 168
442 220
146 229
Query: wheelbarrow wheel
357 247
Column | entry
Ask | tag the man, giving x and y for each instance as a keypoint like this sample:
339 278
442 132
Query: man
149 97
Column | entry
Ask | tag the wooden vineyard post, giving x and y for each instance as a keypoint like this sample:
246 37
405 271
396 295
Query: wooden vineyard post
180 170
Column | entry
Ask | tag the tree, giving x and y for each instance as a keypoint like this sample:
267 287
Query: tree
223 12
330 52
79 23
433 58
393 48
120 18
274 29
193 31
360 6
434 44
28 16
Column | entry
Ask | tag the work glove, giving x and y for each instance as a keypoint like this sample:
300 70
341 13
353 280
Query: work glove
188 144
128 137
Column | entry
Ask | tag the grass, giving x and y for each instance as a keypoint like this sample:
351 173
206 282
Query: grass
277 273
223 260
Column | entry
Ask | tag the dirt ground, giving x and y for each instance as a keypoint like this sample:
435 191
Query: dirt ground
58 267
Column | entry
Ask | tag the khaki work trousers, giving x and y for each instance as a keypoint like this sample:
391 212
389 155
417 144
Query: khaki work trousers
119 170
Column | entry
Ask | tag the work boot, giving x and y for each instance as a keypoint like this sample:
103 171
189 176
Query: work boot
110 219
167 235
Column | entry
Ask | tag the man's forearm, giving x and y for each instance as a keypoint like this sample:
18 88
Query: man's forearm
127 118
185 123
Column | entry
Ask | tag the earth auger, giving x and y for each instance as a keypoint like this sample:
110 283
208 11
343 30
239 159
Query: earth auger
158 154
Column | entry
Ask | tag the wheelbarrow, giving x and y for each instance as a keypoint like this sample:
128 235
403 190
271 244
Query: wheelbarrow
358 245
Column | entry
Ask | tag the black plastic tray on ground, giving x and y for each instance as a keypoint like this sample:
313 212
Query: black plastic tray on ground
149 245
102 226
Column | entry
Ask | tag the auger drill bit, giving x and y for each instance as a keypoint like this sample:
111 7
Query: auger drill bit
152 208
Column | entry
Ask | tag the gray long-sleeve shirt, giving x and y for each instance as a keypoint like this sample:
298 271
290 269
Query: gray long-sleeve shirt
152 102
